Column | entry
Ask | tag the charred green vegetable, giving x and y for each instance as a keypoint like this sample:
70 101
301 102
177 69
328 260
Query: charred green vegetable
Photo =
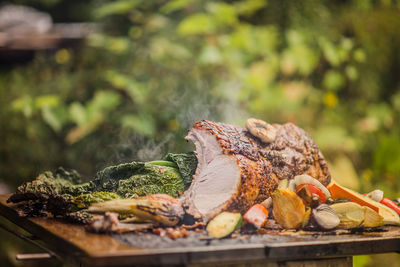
139 179
63 194
85 200
158 208
49 184
187 164
224 224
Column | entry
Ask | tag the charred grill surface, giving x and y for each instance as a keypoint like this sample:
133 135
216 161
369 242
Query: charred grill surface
236 170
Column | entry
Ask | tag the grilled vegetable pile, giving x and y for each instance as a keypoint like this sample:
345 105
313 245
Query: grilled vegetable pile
62 194
304 203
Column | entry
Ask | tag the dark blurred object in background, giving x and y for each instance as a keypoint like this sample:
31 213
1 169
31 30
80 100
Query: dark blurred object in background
24 31
20 21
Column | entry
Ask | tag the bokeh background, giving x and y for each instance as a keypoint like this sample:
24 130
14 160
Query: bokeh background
152 68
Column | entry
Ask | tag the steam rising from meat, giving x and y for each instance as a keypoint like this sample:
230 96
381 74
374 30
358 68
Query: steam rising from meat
134 147
194 104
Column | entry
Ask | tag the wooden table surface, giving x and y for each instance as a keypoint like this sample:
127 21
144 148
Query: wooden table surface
78 246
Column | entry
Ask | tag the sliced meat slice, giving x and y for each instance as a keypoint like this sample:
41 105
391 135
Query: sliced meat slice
211 191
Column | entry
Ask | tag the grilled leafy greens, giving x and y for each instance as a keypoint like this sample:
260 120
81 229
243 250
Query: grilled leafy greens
63 194
48 184
139 179
85 200
187 164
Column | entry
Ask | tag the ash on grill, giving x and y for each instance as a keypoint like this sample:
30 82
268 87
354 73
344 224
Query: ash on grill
199 238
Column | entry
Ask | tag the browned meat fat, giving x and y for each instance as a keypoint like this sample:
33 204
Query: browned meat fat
236 170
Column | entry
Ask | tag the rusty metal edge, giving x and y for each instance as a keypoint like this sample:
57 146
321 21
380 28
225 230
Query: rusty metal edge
199 255
62 247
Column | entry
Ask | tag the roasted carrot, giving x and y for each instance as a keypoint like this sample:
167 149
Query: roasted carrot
257 215
390 204
339 191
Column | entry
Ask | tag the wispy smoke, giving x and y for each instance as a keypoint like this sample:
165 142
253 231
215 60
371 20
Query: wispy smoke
133 147
193 103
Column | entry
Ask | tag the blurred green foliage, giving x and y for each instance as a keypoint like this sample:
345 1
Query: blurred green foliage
157 66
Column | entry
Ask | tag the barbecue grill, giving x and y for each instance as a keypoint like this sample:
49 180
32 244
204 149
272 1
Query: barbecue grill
73 244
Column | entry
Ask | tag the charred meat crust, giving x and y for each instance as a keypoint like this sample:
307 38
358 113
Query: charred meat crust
293 151
261 165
